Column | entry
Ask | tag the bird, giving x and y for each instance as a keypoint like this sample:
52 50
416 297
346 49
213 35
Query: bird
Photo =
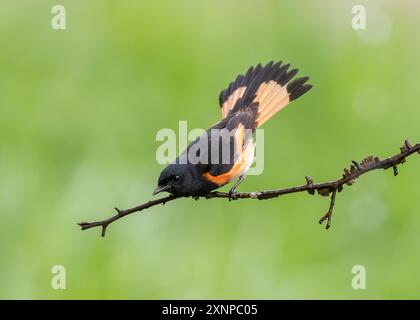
246 104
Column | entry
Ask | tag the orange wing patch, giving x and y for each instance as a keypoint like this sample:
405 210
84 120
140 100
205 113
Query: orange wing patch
231 101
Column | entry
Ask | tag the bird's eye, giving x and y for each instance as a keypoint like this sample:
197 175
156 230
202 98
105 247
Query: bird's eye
177 178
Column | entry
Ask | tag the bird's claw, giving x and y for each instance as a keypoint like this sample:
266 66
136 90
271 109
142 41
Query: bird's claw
233 195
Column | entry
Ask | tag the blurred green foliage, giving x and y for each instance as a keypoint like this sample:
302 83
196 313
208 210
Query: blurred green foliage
79 110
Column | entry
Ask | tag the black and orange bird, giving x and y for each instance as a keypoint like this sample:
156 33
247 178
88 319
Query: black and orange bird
247 103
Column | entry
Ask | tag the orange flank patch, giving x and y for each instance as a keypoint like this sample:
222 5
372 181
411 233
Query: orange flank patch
225 178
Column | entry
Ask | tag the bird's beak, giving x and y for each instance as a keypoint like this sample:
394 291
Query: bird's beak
160 189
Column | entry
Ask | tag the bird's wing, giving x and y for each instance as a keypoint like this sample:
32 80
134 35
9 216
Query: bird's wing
235 147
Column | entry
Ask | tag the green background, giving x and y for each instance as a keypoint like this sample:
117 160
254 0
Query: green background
80 108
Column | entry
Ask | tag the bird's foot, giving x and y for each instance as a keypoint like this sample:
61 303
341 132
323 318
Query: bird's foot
233 195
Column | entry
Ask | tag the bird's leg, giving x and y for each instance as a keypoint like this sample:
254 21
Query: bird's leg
232 191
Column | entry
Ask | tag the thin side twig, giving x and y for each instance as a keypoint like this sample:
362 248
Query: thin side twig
349 176
328 215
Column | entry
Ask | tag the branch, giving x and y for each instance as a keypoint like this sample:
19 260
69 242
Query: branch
325 189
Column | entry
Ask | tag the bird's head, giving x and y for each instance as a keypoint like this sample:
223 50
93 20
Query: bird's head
175 179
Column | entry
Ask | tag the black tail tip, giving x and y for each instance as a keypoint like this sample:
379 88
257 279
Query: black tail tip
298 87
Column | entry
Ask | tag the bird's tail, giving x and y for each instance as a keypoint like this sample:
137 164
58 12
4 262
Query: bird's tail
270 86
277 93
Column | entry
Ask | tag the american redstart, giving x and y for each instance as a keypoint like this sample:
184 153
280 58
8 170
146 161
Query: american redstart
226 150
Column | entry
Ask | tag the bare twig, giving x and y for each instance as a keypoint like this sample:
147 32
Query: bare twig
325 189
328 215
122 213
